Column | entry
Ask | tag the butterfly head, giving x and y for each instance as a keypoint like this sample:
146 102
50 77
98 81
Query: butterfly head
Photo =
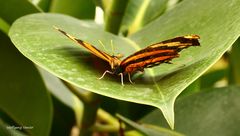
115 63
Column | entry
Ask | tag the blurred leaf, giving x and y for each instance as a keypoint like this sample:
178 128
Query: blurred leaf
140 12
43 4
64 118
63 94
7 130
23 95
192 88
209 79
113 15
154 10
234 63
133 133
213 112
103 4
83 9
34 36
132 110
13 9
127 109
109 105
4 27
150 130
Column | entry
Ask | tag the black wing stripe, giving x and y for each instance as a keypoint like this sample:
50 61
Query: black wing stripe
148 63
142 59
84 44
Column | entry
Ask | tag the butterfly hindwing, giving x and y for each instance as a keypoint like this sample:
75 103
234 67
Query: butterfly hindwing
158 53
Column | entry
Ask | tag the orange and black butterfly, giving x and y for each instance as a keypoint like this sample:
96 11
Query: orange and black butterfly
153 55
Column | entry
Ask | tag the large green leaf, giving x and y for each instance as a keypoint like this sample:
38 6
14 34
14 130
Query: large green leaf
34 36
23 96
213 112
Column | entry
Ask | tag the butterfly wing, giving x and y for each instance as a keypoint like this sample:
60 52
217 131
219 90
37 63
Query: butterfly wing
89 47
158 53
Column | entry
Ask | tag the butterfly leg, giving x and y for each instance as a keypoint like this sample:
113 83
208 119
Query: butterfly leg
105 74
121 74
129 78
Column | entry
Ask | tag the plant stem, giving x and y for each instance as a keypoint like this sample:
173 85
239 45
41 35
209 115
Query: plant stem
89 114
91 103
114 14
111 124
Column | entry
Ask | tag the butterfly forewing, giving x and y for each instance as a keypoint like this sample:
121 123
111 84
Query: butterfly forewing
177 43
88 46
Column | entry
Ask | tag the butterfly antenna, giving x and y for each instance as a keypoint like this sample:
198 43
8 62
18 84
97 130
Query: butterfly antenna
102 45
112 47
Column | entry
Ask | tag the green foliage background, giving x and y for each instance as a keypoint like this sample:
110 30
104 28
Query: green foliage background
49 83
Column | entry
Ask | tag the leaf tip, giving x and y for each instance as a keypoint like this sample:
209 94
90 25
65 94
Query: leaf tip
168 113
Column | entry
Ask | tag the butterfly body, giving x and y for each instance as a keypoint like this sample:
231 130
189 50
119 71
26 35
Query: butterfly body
153 55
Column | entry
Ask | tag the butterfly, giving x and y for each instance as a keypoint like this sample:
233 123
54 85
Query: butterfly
152 55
